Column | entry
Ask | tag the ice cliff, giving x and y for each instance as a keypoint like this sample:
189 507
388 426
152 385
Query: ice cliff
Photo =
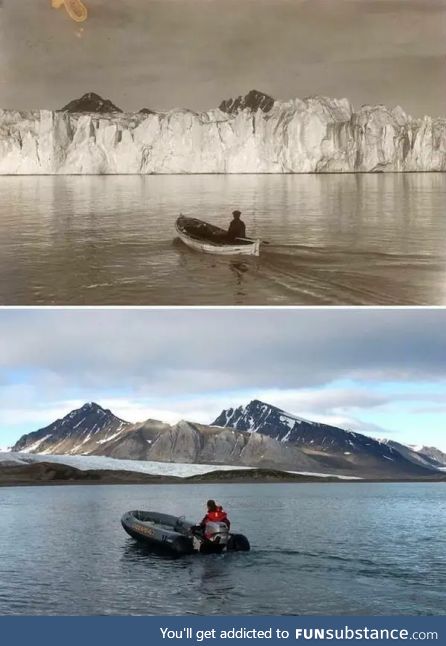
252 134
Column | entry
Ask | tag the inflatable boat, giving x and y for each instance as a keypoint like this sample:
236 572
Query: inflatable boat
174 535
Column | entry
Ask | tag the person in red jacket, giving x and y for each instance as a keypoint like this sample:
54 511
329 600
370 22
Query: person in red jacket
214 514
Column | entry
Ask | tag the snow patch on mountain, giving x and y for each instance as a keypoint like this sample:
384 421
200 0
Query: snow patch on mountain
325 442
110 437
35 445
324 475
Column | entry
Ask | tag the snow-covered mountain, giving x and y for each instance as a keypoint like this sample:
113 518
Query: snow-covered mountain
80 432
433 453
256 435
259 417
197 443
251 134
329 444
91 430
419 454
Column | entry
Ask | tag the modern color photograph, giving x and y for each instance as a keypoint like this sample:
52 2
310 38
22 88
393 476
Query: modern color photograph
250 462
222 152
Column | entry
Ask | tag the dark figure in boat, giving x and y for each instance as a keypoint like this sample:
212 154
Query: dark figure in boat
236 228
214 515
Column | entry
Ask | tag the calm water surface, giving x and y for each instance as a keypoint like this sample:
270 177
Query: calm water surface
316 549
341 239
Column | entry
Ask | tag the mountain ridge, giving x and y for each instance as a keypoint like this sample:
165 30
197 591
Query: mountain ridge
86 427
257 435
321 438
91 102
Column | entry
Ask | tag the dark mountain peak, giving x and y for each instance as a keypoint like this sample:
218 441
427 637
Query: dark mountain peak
257 404
90 409
252 101
315 437
146 111
257 416
91 102
266 419
72 432
91 96
91 406
89 414
254 403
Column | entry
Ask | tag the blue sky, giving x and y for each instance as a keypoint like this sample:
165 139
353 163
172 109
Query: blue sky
380 372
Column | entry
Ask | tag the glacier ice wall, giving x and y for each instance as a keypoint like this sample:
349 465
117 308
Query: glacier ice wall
316 135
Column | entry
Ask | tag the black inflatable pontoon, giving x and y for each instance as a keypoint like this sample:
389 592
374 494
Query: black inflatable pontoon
174 535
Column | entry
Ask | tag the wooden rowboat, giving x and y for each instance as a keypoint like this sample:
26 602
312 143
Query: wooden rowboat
209 238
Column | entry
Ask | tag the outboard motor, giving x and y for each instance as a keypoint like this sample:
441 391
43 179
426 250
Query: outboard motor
217 533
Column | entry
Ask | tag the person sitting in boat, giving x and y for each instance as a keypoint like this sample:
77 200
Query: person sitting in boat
215 514
237 227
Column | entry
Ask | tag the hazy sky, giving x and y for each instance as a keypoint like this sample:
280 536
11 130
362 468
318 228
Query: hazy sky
194 53
377 371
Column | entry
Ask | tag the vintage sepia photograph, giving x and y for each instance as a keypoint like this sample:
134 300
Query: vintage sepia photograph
301 473
222 152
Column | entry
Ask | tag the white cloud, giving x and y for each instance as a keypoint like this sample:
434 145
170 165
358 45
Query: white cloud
193 363
163 353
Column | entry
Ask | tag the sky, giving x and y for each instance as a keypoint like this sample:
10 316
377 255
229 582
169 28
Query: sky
381 372
163 54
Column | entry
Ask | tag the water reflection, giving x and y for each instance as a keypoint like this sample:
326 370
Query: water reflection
316 549
335 239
